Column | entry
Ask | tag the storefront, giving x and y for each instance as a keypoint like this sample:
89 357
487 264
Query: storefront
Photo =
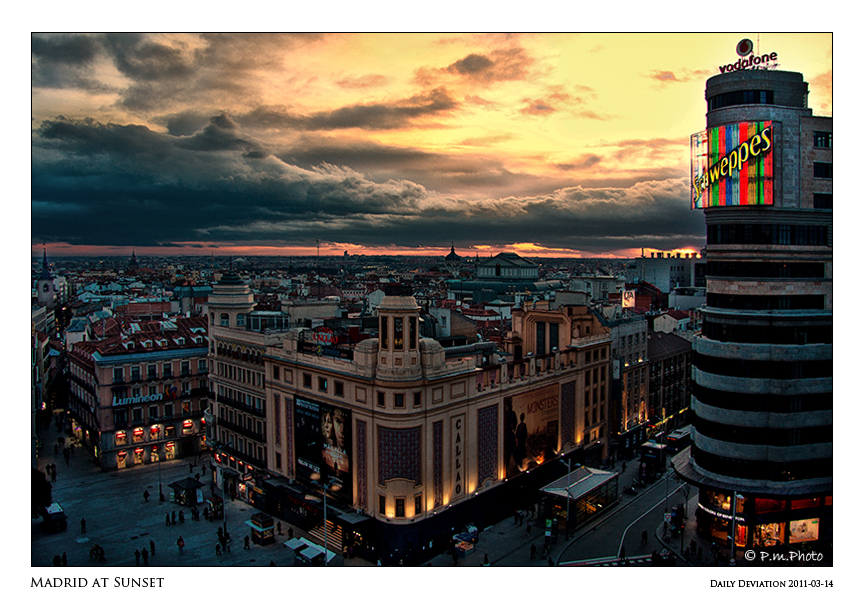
761 521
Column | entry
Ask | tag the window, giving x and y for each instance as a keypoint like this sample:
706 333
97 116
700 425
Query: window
380 399
137 416
151 371
278 461
417 398
168 410
400 507
184 367
412 333
399 400
135 373
381 504
822 139
202 365
418 504
382 333
397 333
120 417
186 408
823 201
307 380
166 370
823 170
275 373
338 388
118 375
223 320
153 412
322 384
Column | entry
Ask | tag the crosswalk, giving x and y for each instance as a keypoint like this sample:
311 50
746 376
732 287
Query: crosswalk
610 561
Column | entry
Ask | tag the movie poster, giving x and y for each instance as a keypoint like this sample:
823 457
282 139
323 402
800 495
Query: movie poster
323 435
531 429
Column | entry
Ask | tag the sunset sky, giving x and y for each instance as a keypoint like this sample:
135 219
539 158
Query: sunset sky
544 144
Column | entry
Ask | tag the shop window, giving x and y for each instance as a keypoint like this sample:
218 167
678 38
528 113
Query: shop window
169 432
186 408
120 438
187 427
138 435
805 503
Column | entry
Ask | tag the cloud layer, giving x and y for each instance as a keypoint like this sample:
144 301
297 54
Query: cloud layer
403 141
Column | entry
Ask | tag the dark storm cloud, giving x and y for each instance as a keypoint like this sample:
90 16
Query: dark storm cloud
397 114
65 61
109 184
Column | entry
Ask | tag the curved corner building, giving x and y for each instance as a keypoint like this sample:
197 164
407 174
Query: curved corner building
762 375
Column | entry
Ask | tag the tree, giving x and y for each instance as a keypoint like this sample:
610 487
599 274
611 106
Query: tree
40 493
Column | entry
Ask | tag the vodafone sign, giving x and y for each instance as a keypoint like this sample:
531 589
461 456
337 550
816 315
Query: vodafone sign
750 61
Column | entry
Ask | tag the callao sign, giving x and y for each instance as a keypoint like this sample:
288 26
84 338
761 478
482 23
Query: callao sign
749 61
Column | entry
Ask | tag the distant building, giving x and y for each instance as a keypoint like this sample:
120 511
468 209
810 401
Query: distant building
670 362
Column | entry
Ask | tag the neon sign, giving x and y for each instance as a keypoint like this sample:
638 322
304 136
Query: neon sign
733 165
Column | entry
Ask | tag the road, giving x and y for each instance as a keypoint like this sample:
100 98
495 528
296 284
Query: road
624 526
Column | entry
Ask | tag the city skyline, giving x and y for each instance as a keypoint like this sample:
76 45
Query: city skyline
377 143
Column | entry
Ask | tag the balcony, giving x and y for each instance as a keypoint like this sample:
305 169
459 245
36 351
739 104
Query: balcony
240 406
241 430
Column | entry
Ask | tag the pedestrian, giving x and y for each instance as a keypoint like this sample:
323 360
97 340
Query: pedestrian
101 551
152 548
180 543
246 542
624 466
83 525
644 539
206 513
173 517
144 556
57 561
181 517
486 560
278 528
56 449
190 467
63 559
146 496
218 550
167 519
137 557
290 533
203 470
622 553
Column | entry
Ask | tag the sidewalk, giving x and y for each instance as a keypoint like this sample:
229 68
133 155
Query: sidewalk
118 519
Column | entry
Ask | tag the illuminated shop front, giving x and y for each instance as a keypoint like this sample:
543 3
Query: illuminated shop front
761 521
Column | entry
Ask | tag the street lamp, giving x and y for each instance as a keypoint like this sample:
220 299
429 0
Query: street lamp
333 483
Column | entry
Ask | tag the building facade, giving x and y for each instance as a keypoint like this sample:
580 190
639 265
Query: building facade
139 397
413 440
762 375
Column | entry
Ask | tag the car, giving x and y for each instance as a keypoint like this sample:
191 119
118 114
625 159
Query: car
54 518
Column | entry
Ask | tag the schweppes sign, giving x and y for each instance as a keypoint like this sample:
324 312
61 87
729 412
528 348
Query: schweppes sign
733 165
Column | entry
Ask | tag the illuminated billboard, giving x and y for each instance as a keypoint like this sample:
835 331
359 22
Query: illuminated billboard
531 428
323 435
733 165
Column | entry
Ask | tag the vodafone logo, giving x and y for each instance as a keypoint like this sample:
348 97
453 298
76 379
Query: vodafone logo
750 61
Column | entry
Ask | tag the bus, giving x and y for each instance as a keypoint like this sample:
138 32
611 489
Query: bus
678 440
